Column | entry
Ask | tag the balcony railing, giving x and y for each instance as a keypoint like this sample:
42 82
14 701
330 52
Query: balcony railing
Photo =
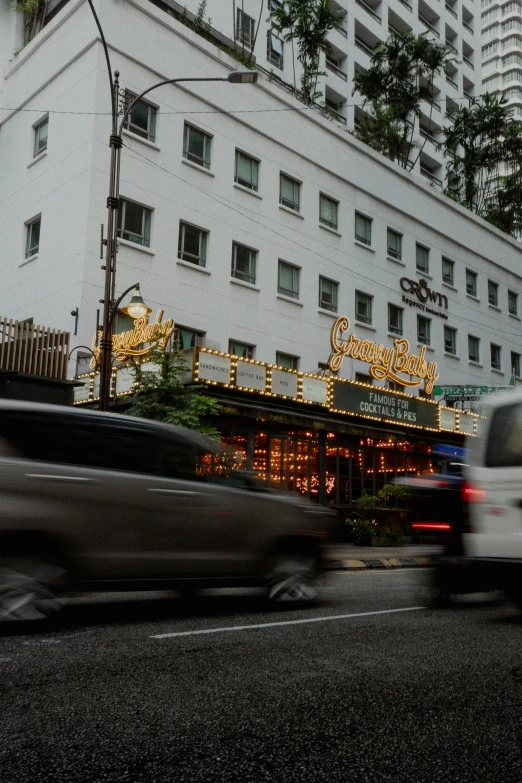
431 177
364 46
36 350
329 111
343 31
335 68
408 5
452 12
451 47
468 62
452 82
369 10
468 27
428 25
427 134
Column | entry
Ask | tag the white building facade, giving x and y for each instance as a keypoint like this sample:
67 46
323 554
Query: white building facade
254 224
501 54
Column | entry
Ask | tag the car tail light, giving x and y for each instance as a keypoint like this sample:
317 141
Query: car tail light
431 526
472 493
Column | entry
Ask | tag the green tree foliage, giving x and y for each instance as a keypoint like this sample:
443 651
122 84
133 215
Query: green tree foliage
308 22
399 79
33 12
163 396
474 144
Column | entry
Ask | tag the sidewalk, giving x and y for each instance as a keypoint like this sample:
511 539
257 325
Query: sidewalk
348 557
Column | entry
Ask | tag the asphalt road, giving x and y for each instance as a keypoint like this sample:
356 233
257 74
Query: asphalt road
366 688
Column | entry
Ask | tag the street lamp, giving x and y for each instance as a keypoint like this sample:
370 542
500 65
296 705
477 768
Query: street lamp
136 307
113 205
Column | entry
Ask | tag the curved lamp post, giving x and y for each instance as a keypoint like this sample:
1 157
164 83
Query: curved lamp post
113 203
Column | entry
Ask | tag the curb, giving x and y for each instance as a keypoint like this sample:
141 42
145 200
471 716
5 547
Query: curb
381 563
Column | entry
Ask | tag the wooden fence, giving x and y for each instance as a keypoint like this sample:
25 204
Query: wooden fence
37 350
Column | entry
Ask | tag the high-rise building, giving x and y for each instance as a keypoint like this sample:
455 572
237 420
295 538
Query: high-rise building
501 34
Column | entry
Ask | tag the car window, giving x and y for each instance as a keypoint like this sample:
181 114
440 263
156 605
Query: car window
504 446
97 443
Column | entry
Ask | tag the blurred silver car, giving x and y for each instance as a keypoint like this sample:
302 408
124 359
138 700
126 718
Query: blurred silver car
105 501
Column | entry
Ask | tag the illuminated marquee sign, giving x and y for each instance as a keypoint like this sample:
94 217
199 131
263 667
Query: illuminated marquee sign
384 405
137 342
386 363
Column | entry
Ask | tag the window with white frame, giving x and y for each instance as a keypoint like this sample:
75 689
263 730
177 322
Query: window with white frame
32 237
395 315
247 171
512 303
134 222
289 192
196 146
141 119
244 261
288 279
328 294
448 271
275 51
287 360
394 244
515 364
363 307
40 136
422 258
492 293
363 229
496 356
238 348
473 348
192 244
471 283
245 29
423 330
328 211
450 340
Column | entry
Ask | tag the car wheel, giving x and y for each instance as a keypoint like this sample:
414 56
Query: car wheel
28 589
292 578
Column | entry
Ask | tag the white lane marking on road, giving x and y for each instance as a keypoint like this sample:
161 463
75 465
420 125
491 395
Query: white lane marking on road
286 622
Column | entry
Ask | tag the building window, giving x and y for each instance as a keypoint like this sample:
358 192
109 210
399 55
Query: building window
134 223
192 244
450 340
241 349
473 349
40 136
395 386
141 119
496 354
395 319
186 338
275 51
287 361
288 280
328 294
361 377
245 29
32 239
471 282
196 146
423 330
363 307
394 244
289 192
512 303
247 171
363 229
448 270
328 211
422 259
515 364
493 293
244 263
